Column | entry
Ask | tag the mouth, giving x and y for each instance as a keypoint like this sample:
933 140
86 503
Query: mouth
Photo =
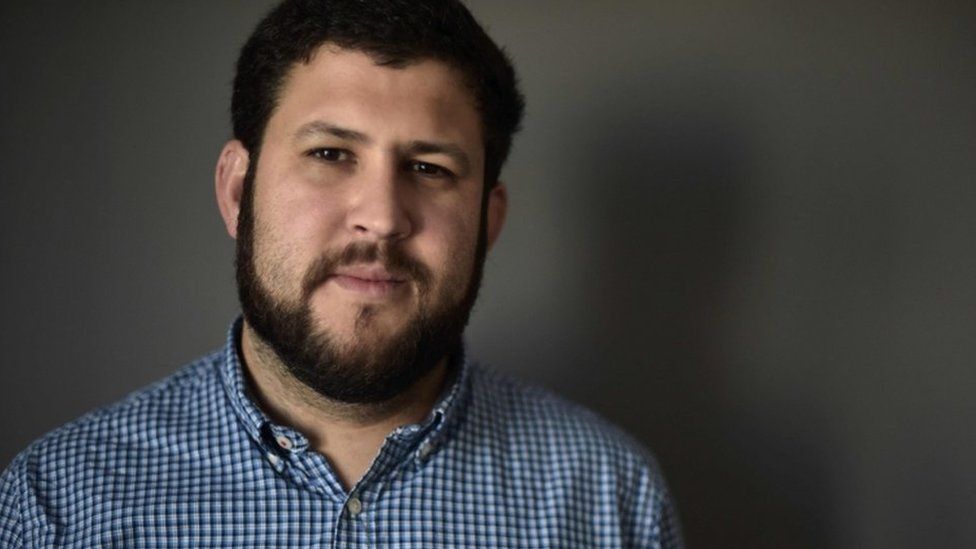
369 281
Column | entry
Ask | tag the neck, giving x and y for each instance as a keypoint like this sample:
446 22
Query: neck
348 435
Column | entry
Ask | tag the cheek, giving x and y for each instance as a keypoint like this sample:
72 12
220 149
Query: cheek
451 244
290 233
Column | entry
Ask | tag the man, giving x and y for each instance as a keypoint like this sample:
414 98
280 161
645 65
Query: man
362 187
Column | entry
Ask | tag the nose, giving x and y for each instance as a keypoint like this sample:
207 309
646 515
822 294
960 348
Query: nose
378 209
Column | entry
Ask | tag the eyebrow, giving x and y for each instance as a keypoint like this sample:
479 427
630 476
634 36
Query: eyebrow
318 127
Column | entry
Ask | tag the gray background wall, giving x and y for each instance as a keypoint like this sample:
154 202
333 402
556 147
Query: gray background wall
740 229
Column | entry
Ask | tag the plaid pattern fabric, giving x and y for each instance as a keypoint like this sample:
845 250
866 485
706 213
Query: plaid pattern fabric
192 462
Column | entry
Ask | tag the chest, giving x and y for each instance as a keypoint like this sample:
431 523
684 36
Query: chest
480 502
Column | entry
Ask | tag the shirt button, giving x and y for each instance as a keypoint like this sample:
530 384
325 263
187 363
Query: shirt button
354 506
273 459
284 442
425 450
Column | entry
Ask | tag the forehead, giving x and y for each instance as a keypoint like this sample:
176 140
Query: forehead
350 88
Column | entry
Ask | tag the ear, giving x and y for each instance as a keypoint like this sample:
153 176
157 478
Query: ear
497 208
229 182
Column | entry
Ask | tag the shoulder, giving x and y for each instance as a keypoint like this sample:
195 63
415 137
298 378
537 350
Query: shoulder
143 412
72 475
573 456
534 410
540 422
149 417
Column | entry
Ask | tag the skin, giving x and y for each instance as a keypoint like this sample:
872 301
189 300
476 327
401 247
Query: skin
356 152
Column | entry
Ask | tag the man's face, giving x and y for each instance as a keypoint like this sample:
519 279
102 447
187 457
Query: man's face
361 231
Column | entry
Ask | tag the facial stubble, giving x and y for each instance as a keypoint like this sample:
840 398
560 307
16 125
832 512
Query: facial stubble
359 374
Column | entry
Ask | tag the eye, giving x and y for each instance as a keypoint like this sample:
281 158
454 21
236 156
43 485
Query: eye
429 170
330 155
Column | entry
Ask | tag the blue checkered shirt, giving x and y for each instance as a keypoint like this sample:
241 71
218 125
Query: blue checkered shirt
192 462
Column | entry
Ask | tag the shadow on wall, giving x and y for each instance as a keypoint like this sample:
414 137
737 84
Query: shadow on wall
664 191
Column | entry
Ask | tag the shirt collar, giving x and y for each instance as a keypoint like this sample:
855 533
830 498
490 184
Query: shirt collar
431 434
437 428
232 376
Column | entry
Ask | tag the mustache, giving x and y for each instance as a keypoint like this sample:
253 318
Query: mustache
393 259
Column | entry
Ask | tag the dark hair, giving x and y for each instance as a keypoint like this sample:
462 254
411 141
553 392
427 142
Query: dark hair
395 33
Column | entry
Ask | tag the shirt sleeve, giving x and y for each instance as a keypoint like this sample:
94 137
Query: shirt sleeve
669 527
12 485
653 520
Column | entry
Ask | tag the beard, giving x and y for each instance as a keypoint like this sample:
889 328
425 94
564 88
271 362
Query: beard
375 370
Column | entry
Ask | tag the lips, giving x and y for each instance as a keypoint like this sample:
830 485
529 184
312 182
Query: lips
368 280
